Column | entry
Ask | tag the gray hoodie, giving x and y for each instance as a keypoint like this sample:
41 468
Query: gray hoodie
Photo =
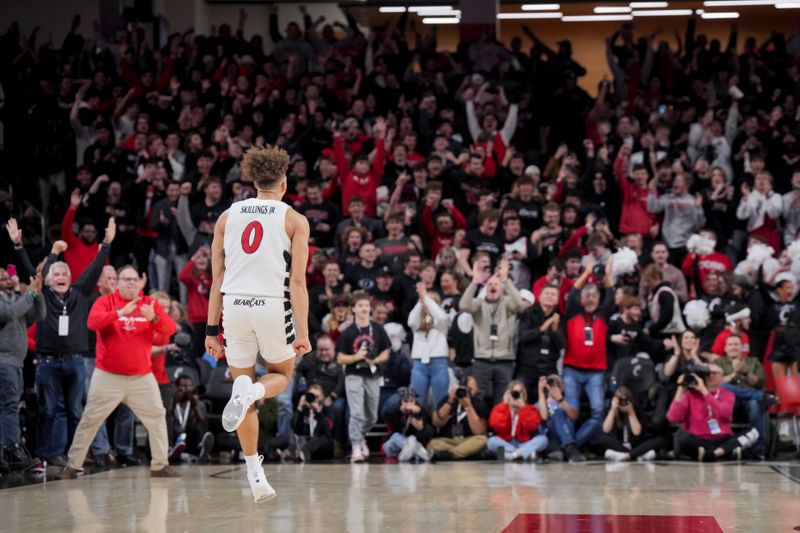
682 217
16 313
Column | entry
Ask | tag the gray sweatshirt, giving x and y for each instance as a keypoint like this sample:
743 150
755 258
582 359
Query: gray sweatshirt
682 217
16 313
502 313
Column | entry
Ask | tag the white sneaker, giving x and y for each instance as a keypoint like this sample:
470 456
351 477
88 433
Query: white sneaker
408 449
262 490
513 456
748 439
612 455
422 454
648 456
784 431
364 449
357 456
236 408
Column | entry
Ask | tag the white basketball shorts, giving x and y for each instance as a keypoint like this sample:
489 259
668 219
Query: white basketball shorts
252 325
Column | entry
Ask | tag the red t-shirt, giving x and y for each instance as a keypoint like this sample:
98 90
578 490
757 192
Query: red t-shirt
124 344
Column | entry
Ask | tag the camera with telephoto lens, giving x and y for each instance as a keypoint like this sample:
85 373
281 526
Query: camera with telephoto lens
515 394
462 392
311 397
700 370
552 382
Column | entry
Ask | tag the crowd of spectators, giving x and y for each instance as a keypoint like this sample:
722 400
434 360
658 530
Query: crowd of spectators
501 263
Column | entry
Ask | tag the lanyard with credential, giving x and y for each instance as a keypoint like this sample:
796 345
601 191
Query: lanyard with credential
182 417
63 319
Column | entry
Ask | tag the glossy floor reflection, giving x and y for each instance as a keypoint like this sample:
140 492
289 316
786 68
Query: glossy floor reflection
463 497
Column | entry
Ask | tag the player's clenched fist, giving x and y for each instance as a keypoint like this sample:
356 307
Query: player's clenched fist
301 346
214 348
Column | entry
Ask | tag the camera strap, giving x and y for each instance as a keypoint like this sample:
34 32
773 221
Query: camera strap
183 418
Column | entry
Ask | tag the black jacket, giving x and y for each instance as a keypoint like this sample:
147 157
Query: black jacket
401 423
538 351
76 303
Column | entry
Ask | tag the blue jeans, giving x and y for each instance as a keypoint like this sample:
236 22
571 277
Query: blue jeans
10 393
285 410
393 445
593 382
434 375
388 399
58 377
751 400
526 449
560 429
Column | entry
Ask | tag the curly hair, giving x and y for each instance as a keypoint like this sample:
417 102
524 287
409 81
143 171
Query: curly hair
265 165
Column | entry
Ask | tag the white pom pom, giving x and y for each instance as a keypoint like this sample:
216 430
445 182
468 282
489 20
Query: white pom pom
758 253
623 262
396 334
794 251
697 315
700 245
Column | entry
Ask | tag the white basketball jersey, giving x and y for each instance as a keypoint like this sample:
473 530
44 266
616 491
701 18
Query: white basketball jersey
257 249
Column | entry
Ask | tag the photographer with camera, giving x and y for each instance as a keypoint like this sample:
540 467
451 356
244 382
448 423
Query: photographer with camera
705 411
585 357
411 426
494 329
515 424
461 423
321 368
362 348
623 437
188 425
560 418
313 427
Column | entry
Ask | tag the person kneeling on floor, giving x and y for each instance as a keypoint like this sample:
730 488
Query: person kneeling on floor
187 424
411 426
705 411
516 426
560 418
461 422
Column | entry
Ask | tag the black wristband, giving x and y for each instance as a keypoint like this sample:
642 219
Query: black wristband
212 331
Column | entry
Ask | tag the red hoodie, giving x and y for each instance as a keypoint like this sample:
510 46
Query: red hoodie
714 261
437 239
500 420
78 254
159 361
635 218
198 287
124 344
364 186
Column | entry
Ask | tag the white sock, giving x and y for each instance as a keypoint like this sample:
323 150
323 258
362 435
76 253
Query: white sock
252 462
256 392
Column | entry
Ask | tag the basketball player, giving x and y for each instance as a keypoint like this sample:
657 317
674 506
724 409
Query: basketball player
258 258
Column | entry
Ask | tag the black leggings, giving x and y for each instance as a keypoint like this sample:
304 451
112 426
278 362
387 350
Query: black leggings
688 444
607 442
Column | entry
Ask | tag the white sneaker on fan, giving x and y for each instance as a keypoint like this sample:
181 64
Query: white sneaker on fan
236 408
364 449
262 490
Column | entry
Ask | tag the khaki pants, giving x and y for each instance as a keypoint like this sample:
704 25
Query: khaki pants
106 392
460 447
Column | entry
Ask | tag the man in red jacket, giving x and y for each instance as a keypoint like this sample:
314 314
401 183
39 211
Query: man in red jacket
635 217
585 358
126 322
81 248
363 179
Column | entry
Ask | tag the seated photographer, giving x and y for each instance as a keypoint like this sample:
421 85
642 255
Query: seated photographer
461 423
320 368
560 418
744 377
313 429
623 437
411 429
187 423
515 424
705 411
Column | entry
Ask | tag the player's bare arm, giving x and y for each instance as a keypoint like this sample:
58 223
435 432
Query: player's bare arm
213 346
299 233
